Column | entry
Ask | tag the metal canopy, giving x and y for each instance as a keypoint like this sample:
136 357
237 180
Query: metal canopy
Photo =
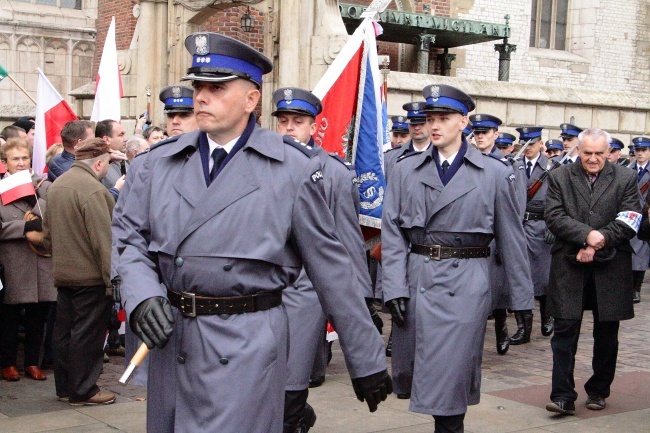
406 27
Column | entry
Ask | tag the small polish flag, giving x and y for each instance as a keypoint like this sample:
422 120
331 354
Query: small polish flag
108 88
52 113
16 186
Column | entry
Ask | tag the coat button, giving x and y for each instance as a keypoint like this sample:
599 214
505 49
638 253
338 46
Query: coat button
179 261
227 266
180 360
223 361
451 293
427 260
455 264
591 212
224 316
295 286
457 238
422 290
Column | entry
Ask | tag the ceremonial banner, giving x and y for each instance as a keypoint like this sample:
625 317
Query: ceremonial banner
108 88
3 73
52 113
351 123
16 186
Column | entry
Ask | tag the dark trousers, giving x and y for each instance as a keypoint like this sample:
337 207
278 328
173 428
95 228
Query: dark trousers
449 424
565 344
78 340
49 331
35 314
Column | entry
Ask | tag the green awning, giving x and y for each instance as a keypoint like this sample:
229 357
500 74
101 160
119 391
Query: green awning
406 27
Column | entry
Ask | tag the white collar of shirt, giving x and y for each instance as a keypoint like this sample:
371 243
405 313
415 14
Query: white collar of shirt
423 149
213 145
641 167
450 160
534 161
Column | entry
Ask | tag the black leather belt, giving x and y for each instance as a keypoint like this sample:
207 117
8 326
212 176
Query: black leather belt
192 305
438 252
529 216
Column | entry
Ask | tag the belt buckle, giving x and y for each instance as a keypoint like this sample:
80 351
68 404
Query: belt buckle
526 216
192 296
435 252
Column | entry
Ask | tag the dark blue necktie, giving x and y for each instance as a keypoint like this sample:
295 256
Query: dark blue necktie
218 155
529 169
445 166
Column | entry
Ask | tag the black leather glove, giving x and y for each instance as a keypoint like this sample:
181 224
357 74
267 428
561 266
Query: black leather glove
152 321
35 225
379 324
397 309
373 389
549 237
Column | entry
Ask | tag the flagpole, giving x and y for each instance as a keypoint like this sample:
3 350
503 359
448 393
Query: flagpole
22 88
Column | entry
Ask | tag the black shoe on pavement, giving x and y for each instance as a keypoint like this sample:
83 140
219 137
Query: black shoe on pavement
316 382
637 297
595 402
524 327
547 326
563 407
404 396
308 419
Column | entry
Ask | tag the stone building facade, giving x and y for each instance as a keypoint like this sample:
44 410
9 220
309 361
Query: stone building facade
56 35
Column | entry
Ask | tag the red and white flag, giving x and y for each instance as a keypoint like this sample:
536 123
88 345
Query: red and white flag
108 88
16 186
52 113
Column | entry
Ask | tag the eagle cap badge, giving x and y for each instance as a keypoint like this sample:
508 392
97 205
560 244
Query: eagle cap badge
201 44
176 92
288 95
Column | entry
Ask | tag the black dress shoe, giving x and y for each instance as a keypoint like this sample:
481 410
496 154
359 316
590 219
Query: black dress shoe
637 297
307 421
404 396
316 382
524 327
547 326
563 407
595 402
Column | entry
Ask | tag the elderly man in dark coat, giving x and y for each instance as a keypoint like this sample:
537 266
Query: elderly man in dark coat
593 209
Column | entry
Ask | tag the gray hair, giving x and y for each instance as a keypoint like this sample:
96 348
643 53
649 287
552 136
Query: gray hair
134 144
594 134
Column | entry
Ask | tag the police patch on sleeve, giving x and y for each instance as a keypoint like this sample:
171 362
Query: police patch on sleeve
316 176
511 177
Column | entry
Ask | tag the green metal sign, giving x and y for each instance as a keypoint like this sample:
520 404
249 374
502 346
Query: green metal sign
405 27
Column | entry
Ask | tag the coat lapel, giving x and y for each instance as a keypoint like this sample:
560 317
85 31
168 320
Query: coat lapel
464 181
235 181
190 183
579 182
538 169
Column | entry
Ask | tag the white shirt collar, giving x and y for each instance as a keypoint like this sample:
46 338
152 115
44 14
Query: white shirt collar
534 161
227 147
450 160
423 149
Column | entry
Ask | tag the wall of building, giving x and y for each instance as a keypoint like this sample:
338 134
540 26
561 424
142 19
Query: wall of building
59 41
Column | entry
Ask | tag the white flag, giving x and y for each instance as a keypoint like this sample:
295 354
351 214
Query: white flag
108 89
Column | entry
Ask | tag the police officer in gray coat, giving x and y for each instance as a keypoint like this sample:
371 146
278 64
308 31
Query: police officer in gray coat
443 208
296 110
641 255
534 164
225 217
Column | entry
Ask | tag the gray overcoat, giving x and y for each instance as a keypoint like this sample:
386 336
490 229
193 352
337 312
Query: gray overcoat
306 317
250 231
571 212
641 255
453 296
539 252
28 276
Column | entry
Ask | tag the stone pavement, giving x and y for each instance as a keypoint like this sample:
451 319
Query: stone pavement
515 389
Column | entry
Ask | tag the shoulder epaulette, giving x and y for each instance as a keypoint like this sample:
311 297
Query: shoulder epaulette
504 161
347 164
163 142
407 155
393 148
307 150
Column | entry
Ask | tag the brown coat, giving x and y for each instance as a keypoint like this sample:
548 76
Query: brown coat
571 212
28 276
77 228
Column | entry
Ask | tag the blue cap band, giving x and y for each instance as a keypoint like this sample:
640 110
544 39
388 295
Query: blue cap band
614 145
399 125
189 102
485 124
529 135
227 62
416 114
503 140
297 103
444 101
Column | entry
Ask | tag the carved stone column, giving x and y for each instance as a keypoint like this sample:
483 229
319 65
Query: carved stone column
504 49
445 62
424 45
